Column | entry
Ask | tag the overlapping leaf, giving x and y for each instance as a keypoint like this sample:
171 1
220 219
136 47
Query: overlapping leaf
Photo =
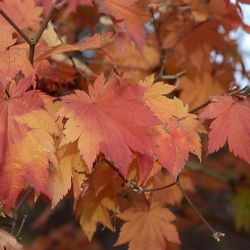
26 143
94 209
129 18
94 42
14 59
232 123
71 170
111 119
179 134
23 13
147 227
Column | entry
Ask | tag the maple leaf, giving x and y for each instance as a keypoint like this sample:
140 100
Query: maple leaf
147 227
71 169
26 145
232 123
179 133
129 18
111 119
13 59
194 47
94 42
24 13
8 242
105 176
211 80
94 208
56 71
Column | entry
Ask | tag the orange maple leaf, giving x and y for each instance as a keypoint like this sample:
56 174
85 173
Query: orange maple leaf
194 47
147 227
212 80
24 13
178 136
94 208
111 119
232 123
71 170
13 59
129 18
94 42
26 145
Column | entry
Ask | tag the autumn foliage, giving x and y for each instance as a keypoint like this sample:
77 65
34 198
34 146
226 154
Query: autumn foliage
107 102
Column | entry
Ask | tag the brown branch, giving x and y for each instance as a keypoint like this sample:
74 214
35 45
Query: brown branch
157 32
209 100
239 91
170 51
215 233
21 227
116 170
70 57
159 188
33 41
111 58
9 20
200 107
18 206
46 20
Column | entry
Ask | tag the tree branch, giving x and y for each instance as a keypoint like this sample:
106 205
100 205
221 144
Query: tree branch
209 100
18 206
170 51
216 234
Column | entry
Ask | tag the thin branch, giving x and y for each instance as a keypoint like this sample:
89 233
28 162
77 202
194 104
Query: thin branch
209 100
116 170
69 56
33 41
157 32
114 212
113 61
21 227
170 51
215 233
200 107
9 20
18 206
172 77
7 93
46 20
239 91
158 189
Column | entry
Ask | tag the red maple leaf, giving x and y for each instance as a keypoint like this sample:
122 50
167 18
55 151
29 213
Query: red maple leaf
110 119
26 144
178 135
232 123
